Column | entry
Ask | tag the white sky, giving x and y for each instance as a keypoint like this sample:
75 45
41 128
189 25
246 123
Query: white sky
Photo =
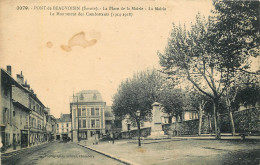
124 46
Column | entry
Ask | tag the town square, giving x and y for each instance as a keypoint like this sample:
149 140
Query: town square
130 82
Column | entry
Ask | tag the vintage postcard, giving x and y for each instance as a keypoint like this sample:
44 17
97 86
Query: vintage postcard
129 82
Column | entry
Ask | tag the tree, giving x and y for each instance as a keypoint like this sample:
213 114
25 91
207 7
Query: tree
197 101
247 94
235 36
236 31
188 55
172 101
213 51
135 96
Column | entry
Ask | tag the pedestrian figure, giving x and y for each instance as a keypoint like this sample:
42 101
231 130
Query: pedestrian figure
96 138
113 136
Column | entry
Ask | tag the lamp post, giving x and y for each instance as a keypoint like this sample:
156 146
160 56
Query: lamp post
77 112
138 114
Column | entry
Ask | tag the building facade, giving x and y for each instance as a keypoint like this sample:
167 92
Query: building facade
24 119
88 117
113 125
64 127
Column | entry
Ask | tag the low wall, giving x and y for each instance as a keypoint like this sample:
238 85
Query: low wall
189 127
134 133
245 121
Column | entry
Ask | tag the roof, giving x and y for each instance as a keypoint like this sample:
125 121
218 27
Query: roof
88 96
109 114
14 82
64 118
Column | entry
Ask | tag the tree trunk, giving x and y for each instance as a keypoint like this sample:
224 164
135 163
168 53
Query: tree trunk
230 100
139 133
200 120
232 122
216 120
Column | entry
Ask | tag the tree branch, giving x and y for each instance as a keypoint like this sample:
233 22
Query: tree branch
197 86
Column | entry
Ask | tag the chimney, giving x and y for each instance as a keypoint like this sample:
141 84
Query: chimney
26 85
9 69
20 78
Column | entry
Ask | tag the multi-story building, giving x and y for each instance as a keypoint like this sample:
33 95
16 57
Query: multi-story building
63 127
25 120
53 127
14 114
88 117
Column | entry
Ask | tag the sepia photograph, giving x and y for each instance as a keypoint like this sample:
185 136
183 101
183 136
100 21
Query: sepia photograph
134 82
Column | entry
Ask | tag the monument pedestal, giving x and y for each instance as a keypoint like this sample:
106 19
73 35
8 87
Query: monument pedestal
156 125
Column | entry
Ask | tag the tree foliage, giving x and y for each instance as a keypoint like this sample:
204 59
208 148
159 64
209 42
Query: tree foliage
172 101
213 51
137 93
236 30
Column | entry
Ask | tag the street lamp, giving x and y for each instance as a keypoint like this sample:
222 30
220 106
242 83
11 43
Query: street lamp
138 114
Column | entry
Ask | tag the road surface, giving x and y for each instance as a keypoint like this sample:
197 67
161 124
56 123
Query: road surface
58 153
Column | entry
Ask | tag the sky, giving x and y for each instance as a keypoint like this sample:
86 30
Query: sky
31 41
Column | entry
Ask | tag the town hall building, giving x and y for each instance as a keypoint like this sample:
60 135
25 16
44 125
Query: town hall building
88 117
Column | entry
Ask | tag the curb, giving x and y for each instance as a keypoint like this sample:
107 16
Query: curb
111 156
222 138
14 152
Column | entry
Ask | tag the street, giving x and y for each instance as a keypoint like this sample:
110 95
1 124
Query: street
58 153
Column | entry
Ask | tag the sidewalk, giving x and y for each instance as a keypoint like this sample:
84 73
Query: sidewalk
177 150
11 151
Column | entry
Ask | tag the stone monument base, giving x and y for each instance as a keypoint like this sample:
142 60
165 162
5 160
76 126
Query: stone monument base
157 135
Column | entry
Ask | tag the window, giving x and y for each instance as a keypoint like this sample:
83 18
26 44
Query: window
67 130
57 125
83 135
79 111
94 96
21 121
6 116
97 111
92 112
128 127
97 123
13 113
67 124
84 123
92 123
26 120
83 111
